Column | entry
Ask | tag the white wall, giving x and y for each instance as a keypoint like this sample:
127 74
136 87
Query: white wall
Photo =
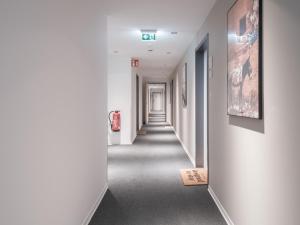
53 141
157 101
184 123
253 164
121 94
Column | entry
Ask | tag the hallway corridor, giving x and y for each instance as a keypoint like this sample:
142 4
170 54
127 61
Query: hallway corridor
145 187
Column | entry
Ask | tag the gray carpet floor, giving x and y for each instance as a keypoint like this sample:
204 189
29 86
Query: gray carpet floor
145 187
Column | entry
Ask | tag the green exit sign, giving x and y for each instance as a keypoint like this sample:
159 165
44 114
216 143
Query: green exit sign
148 37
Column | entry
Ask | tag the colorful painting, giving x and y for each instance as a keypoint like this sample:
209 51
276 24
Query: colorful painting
244 64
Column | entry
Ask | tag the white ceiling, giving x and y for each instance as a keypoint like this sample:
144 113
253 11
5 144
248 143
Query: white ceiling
128 17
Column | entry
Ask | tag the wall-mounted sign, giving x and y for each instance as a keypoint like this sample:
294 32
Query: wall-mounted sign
148 36
135 63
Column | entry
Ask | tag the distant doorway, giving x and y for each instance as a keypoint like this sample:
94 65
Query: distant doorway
201 83
156 102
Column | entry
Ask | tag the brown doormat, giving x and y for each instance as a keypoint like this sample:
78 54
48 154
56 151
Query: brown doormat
142 132
191 177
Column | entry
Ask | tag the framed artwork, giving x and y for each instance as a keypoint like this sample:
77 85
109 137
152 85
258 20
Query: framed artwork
184 86
244 91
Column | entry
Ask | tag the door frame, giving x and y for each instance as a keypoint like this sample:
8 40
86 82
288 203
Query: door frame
201 49
171 100
137 79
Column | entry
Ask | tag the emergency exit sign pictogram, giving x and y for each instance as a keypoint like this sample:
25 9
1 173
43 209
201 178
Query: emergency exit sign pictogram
148 36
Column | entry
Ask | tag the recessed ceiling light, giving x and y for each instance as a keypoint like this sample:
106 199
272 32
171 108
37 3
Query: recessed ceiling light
174 32
151 31
116 51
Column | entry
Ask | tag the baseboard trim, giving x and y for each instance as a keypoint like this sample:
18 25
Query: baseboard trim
91 213
220 206
134 137
185 149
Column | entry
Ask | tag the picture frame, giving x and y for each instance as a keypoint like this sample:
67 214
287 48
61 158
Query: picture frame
244 59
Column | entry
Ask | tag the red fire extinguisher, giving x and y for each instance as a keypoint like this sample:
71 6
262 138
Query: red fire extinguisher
115 122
